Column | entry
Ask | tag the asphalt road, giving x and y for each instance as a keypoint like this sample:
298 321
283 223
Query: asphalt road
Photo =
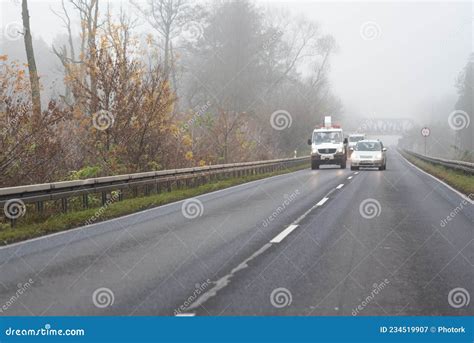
294 244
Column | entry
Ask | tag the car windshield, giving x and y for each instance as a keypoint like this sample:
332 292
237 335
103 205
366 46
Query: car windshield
368 146
327 137
355 138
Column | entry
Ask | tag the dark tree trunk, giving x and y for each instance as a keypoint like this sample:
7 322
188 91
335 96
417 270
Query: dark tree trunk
34 79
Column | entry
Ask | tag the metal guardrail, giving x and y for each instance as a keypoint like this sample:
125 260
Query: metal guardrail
156 181
466 167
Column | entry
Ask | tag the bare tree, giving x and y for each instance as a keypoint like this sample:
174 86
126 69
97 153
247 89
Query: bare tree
167 17
30 55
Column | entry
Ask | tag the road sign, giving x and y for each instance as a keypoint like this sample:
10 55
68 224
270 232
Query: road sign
425 132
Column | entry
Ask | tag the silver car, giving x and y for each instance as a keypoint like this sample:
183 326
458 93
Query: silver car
369 153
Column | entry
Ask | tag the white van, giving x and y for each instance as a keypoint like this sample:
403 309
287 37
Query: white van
328 145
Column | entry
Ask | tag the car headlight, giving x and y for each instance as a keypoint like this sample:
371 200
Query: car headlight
378 156
354 157
314 150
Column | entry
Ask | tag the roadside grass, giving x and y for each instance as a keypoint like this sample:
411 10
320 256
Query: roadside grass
65 221
457 179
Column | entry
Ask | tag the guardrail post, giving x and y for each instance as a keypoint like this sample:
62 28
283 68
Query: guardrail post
12 222
158 187
85 200
39 206
64 204
104 198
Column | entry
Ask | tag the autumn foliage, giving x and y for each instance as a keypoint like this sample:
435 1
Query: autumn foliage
187 93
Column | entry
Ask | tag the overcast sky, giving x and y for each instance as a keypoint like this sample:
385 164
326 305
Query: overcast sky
393 58
417 50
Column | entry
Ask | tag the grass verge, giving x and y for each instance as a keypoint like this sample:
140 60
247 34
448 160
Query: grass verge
457 179
66 221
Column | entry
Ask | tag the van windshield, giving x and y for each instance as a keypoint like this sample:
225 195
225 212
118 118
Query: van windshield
327 137
353 139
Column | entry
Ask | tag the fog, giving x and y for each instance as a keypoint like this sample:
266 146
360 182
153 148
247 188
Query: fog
411 56
385 60
417 51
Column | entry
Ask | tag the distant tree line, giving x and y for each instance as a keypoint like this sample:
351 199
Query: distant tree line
452 128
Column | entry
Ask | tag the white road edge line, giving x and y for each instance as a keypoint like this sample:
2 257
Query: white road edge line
185 315
281 236
356 173
350 177
340 186
433 177
322 201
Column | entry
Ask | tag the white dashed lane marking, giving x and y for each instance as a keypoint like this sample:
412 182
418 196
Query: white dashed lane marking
224 281
322 201
281 236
